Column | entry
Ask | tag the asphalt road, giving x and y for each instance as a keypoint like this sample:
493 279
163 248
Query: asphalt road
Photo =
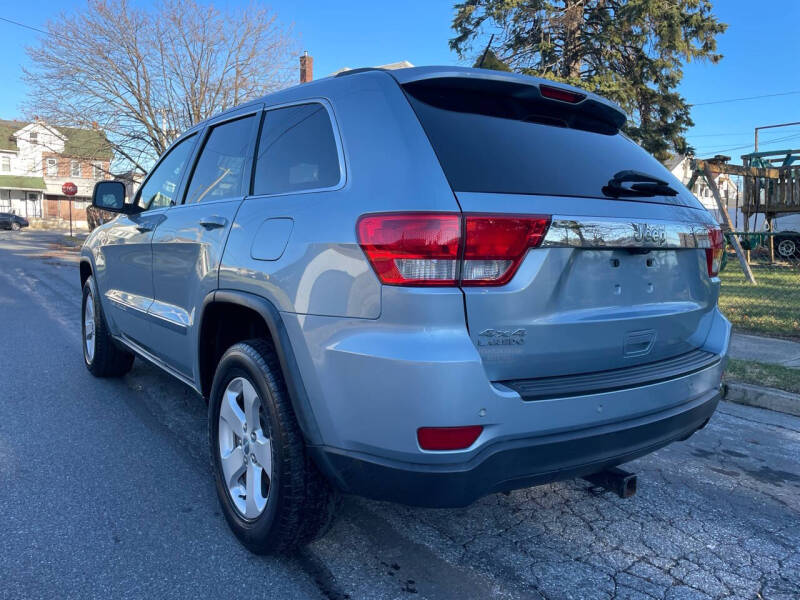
105 491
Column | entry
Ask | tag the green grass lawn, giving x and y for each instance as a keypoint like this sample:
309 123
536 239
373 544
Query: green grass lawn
763 374
772 307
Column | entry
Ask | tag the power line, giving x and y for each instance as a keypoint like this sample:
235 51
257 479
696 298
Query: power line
739 133
17 23
748 146
791 135
745 98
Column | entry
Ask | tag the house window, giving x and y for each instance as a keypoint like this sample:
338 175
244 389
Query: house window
75 168
34 137
52 167
97 171
5 164
33 196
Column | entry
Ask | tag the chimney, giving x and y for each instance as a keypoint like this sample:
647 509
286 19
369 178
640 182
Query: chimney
306 68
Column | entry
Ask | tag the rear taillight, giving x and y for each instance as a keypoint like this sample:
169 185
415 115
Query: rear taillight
714 252
422 249
412 249
495 245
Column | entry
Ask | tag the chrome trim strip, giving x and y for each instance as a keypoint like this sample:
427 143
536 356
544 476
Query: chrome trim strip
170 316
130 302
167 315
609 232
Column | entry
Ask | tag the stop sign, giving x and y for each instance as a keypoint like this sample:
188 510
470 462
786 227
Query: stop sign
69 189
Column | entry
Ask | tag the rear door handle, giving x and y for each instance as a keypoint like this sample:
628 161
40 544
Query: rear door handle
213 222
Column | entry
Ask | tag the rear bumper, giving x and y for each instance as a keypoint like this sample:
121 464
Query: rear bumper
514 463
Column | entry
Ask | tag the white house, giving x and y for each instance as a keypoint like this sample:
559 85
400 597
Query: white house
680 166
36 159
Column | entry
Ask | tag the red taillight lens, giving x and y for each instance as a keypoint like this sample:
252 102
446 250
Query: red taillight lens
556 93
448 438
714 253
412 249
495 245
424 249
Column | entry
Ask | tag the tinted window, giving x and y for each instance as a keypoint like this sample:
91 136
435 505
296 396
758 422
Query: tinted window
297 151
495 142
162 185
220 169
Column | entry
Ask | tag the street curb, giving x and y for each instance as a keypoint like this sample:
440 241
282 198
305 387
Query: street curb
763 397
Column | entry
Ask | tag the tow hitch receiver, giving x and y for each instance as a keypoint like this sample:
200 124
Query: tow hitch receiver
622 483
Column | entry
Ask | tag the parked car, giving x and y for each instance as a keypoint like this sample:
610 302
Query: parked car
787 236
12 221
424 286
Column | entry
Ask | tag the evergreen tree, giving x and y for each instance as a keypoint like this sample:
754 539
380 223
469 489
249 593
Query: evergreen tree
631 51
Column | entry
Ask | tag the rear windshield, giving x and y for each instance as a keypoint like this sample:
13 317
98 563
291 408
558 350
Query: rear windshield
490 141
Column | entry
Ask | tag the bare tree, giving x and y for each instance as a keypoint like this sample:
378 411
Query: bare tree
143 76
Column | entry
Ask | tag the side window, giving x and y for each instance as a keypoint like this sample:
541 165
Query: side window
162 185
297 151
219 170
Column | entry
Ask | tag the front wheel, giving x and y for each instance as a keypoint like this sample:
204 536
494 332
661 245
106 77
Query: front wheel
101 355
271 493
15 226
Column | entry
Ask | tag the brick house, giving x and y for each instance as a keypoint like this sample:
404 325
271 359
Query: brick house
36 159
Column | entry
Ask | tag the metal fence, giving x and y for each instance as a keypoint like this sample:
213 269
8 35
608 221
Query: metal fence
771 306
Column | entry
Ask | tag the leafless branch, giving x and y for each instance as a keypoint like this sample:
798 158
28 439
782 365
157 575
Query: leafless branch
145 75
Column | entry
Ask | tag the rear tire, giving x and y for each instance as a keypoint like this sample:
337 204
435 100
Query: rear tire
296 504
101 355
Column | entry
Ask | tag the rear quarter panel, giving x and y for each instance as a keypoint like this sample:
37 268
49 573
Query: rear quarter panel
388 165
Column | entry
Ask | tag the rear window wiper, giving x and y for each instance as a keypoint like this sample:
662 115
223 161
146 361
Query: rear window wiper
626 184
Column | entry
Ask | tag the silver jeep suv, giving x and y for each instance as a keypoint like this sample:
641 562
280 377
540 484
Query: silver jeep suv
423 285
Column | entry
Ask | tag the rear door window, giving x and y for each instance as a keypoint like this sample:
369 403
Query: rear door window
220 170
297 151
503 141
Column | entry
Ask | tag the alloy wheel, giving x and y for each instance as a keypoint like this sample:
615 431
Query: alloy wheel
89 327
245 449
787 248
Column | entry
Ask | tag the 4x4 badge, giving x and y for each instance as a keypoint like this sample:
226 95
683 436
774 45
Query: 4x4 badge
502 337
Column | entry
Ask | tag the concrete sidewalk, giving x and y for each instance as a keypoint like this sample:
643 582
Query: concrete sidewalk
765 350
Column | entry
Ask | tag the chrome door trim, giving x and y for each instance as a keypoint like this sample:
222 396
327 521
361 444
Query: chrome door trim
167 315
609 232
170 316
131 302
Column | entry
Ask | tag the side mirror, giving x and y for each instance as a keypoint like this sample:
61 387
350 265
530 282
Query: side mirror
110 196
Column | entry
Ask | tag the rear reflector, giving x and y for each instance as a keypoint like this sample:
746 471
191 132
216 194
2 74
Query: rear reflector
556 93
448 438
425 249
714 253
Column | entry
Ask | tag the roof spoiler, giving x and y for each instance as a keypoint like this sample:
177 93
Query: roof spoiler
569 98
